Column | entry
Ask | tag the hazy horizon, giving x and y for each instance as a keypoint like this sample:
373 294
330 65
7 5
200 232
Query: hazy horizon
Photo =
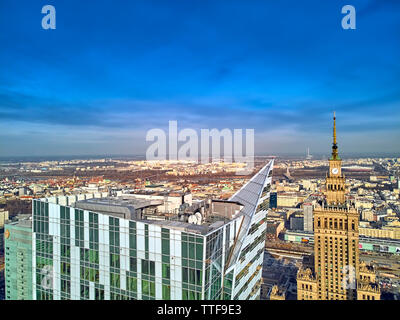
319 156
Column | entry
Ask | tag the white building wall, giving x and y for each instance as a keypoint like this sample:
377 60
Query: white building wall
124 250
34 284
176 264
104 254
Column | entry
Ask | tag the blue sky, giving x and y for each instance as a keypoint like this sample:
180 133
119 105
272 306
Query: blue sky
114 69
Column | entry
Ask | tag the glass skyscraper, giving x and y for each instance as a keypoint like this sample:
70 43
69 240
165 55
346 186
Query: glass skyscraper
18 260
125 247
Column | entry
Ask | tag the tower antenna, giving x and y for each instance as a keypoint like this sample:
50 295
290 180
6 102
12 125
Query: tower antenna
334 146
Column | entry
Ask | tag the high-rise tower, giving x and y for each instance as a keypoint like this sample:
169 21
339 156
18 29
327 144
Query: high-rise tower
128 247
336 270
335 181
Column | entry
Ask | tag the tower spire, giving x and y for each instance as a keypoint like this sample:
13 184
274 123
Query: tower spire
334 127
334 147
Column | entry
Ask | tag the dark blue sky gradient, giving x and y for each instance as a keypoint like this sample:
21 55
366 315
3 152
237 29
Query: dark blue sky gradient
114 69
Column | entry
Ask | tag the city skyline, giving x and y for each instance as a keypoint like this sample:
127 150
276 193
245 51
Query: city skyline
91 87
113 231
209 152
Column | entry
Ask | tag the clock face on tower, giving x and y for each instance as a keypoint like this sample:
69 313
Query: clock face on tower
335 170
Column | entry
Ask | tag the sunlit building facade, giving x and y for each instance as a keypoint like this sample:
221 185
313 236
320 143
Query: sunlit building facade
336 274
18 260
124 247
